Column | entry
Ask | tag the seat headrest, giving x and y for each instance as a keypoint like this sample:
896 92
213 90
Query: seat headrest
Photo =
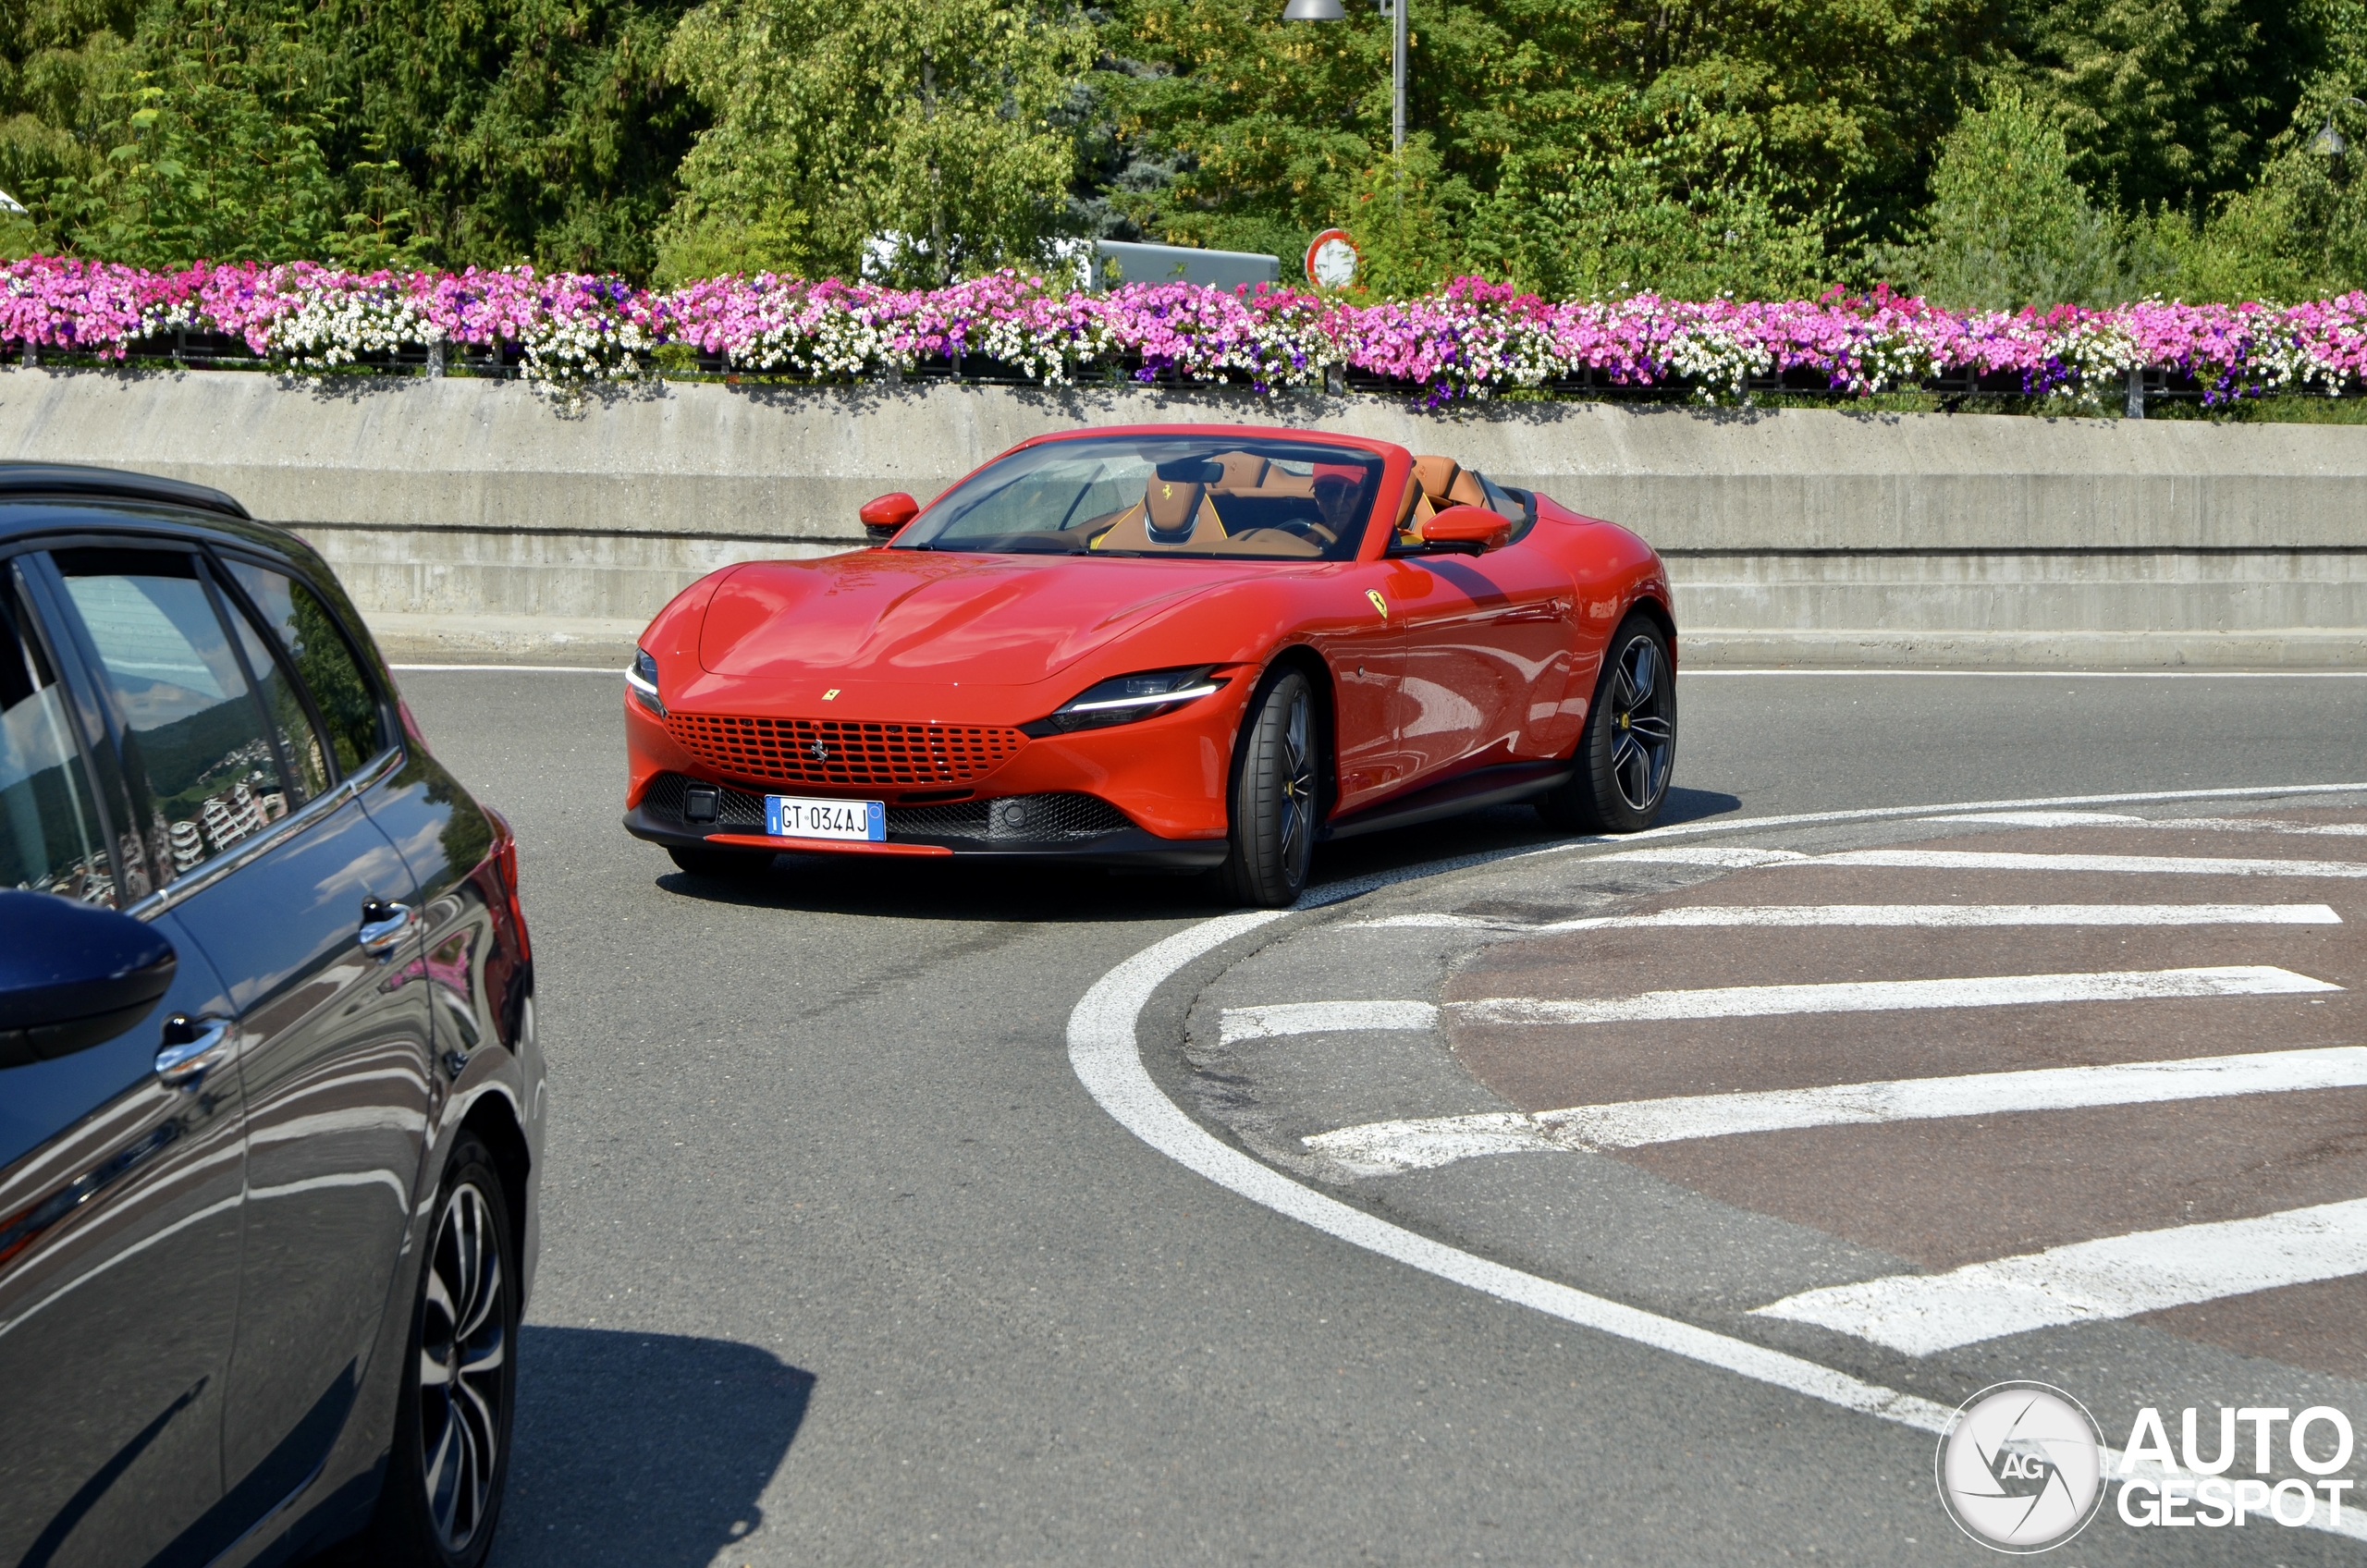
1170 507
1242 471
1436 475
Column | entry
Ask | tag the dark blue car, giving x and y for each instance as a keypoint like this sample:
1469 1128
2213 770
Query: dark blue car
271 1108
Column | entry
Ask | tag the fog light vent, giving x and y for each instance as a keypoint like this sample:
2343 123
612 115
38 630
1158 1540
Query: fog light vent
701 802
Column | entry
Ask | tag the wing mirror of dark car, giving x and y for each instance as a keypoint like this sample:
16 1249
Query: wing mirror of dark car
1467 530
73 975
885 517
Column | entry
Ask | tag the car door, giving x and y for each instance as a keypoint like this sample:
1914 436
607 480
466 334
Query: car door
122 1167
305 910
1484 660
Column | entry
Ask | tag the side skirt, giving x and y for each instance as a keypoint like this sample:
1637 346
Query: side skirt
1495 785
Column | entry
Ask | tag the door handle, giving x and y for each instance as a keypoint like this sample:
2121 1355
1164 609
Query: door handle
193 1047
383 927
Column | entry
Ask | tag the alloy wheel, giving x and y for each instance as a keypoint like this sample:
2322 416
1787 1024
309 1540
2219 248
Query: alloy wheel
1644 730
1298 786
463 1345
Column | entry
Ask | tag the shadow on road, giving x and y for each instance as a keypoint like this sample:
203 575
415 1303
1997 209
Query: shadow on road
952 889
648 1449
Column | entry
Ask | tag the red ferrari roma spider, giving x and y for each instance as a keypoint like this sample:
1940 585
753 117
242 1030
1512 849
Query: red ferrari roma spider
1181 646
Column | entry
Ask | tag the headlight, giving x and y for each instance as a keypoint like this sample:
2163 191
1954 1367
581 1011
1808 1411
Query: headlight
643 679
1128 698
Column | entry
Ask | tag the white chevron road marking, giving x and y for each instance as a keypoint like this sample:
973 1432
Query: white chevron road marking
1889 995
1742 857
1935 916
1376 1148
1239 1024
2090 1282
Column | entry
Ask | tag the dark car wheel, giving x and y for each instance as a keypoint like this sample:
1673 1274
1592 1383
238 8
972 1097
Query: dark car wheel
451 1453
1274 795
701 861
1628 750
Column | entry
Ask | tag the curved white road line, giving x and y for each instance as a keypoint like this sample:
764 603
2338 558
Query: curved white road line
1107 1058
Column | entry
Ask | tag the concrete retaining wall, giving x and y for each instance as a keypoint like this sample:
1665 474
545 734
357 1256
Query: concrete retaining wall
478 516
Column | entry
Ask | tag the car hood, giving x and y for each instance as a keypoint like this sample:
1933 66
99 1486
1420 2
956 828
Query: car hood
914 615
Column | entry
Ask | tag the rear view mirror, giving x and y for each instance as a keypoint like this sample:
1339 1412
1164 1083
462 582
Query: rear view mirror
885 517
1467 530
72 975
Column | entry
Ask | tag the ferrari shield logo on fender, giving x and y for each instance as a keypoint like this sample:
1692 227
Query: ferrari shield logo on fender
1378 602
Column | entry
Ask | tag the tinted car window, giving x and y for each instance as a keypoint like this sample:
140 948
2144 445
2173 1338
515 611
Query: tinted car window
196 740
324 661
301 746
51 837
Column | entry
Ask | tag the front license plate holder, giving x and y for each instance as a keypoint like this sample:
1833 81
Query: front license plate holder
798 816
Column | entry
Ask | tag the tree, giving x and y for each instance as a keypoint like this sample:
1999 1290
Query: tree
927 128
519 130
212 146
2008 224
1737 128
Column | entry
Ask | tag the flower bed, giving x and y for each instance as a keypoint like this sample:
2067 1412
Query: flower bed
1470 340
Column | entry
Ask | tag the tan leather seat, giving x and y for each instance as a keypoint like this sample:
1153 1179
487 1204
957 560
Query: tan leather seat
1176 515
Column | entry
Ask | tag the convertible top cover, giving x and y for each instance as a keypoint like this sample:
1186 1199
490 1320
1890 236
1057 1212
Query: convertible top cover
1228 495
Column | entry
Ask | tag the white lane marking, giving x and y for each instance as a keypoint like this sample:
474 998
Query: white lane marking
1322 1018
2182 824
2091 1282
1377 1148
2045 819
1740 857
1107 1058
2054 674
1934 915
1425 1143
616 670
1275 1019
1890 996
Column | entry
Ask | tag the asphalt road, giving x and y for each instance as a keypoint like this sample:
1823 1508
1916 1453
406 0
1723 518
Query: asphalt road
843 1264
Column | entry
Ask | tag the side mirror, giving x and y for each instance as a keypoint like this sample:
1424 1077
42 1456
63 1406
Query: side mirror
885 517
72 975
1468 530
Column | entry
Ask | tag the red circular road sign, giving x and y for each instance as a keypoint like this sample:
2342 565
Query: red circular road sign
1331 259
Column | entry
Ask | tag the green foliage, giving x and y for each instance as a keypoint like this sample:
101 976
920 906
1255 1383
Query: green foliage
1575 144
216 147
2008 226
1984 151
928 123
536 131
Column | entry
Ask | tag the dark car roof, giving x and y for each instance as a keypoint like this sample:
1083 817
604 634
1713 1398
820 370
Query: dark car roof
53 482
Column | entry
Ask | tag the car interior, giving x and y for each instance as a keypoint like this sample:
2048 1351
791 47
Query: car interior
1238 503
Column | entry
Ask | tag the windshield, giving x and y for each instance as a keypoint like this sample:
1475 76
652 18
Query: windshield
1220 496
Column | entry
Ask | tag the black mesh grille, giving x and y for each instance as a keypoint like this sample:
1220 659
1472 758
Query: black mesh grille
1034 819
739 810
1011 819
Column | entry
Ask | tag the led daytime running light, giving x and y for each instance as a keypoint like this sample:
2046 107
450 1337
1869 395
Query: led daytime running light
1153 700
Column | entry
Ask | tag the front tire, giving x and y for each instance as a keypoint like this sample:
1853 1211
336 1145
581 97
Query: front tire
443 1480
1275 796
1628 750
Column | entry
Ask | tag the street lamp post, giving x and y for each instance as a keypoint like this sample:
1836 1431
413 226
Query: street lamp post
1333 11
2329 143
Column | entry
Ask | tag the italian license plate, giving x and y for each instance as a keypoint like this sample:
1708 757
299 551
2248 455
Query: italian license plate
790 816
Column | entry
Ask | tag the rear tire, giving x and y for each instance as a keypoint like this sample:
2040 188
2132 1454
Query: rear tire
1628 752
1276 795
442 1499
725 865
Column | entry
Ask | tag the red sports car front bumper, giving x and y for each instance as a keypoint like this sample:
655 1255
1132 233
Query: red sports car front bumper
1151 793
